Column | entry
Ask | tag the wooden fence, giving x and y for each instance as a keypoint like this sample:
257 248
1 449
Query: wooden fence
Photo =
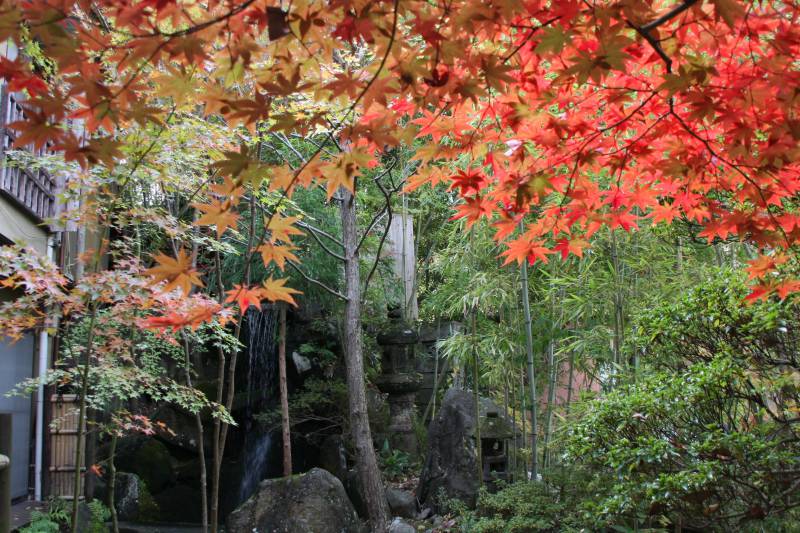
64 439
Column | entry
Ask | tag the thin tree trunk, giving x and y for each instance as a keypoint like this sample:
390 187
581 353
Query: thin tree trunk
189 362
524 417
366 461
526 307
201 452
507 414
476 398
221 429
551 394
112 483
91 452
514 456
435 376
76 486
570 381
216 452
284 393
617 303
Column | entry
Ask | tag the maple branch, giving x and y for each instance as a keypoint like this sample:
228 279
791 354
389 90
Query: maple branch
528 37
666 17
645 30
380 213
319 241
381 65
653 43
315 229
316 282
288 144
314 233
735 167
388 209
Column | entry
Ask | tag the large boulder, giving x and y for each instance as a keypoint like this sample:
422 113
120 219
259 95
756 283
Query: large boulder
451 463
315 501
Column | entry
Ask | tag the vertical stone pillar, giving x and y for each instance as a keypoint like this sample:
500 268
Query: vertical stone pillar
400 381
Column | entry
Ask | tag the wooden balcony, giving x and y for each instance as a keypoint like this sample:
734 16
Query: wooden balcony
33 190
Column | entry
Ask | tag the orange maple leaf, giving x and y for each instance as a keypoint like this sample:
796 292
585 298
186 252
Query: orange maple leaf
473 209
218 213
786 287
275 290
574 246
245 297
177 272
278 254
525 248
229 189
763 265
343 171
192 318
281 228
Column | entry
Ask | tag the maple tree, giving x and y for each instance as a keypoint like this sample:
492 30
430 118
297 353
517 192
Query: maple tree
568 116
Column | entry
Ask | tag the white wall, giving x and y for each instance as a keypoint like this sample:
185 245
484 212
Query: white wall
16 365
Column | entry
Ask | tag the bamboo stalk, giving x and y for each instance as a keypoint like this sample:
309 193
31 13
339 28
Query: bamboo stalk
285 426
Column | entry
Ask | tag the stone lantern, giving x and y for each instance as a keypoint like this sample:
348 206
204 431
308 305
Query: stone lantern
399 380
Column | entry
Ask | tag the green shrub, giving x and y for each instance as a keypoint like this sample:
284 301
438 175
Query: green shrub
706 436
524 507
394 463
99 514
41 523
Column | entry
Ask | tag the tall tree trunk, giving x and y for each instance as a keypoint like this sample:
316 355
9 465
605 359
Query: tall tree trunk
526 307
285 427
366 461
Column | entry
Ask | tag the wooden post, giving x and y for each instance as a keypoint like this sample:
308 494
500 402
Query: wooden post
5 472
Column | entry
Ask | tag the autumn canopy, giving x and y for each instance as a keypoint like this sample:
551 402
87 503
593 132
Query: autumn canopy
581 114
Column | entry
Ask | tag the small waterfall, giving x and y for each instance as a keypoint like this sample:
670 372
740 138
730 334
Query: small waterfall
262 349
257 447
262 373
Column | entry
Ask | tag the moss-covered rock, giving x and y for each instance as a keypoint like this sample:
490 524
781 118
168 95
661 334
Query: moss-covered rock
314 501
147 458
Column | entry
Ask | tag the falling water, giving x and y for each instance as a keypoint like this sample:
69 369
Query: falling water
261 350
257 446
261 387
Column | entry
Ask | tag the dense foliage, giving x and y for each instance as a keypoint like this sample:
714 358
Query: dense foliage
593 160
708 434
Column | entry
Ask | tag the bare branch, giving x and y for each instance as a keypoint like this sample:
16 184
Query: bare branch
316 282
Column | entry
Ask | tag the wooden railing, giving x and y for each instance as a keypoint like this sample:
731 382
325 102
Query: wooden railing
32 189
